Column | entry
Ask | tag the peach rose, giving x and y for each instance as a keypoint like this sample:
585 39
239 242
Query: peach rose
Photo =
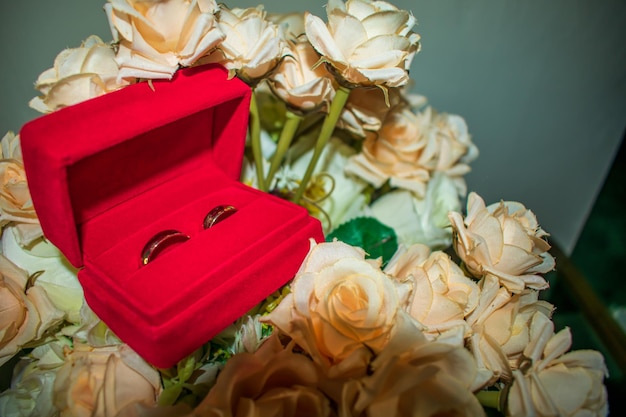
107 381
27 313
366 42
15 203
342 308
503 240
433 379
272 381
395 154
253 46
551 382
156 37
78 75
297 81
500 328
442 295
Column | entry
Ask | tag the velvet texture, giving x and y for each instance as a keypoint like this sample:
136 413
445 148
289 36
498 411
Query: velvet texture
108 174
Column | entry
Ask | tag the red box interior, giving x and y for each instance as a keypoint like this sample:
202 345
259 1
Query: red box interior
108 174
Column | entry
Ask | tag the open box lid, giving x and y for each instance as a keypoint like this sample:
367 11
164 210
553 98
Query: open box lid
85 159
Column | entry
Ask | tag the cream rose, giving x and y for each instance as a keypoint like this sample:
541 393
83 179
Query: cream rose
78 74
551 382
253 46
27 313
341 308
156 37
420 220
272 381
442 295
366 110
432 379
16 205
301 85
292 24
396 153
107 381
366 42
503 240
450 148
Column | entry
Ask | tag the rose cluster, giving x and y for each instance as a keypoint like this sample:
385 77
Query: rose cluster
332 128
418 337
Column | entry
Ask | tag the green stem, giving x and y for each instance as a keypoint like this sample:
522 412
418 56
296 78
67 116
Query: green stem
286 137
489 399
341 96
255 141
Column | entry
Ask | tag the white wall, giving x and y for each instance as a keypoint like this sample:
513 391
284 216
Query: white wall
542 85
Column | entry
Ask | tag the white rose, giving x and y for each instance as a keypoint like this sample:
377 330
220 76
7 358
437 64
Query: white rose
27 313
420 220
30 394
346 199
58 277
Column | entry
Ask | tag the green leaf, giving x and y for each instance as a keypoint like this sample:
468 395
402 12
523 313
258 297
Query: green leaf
186 368
368 233
170 395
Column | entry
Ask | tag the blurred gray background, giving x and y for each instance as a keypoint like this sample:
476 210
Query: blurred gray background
542 85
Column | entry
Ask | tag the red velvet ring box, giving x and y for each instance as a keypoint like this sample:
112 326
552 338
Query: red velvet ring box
109 173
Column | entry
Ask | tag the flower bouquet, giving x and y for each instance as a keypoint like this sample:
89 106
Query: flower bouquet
408 308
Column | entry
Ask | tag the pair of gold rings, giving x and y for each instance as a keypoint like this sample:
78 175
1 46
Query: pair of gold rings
163 240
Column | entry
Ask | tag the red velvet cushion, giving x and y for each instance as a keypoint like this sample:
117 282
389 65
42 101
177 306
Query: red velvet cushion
109 173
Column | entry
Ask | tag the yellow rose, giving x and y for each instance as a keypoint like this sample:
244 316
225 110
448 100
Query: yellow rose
272 381
432 379
298 83
15 203
341 307
27 313
78 74
157 36
551 382
396 153
253 46
366 42
102 382
442 295
503 240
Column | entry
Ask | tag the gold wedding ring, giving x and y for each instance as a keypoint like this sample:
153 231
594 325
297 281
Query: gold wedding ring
159 242
218 214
